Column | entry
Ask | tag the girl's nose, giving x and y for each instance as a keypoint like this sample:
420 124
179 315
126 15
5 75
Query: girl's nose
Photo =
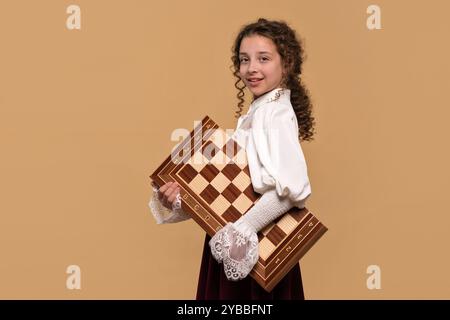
252 67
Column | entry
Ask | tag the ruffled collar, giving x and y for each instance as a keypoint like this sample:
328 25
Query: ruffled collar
273 95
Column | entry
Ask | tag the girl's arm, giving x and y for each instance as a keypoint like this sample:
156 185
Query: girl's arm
278 171
279 153
236 245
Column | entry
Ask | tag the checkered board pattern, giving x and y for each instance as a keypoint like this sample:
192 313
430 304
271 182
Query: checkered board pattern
215 186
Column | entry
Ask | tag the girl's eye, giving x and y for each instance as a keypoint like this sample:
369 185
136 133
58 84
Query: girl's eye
245 59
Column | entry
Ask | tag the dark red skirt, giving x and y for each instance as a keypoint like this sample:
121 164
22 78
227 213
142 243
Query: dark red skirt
214 285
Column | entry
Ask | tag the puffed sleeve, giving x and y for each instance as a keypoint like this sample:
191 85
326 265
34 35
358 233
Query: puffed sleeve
275 138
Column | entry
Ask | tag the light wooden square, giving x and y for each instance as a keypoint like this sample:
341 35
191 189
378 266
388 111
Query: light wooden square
220 204
220 182
242 181
265 248
287 223
242 203
198 184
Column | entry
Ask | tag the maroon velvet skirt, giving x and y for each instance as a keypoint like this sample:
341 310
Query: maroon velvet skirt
214 285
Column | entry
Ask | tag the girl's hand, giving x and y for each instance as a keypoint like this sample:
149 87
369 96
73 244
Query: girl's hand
167 194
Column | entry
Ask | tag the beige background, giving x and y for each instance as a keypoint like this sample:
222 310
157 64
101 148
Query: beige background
86 116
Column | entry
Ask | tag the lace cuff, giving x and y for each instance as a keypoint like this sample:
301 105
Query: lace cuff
238 251
164 215
236 244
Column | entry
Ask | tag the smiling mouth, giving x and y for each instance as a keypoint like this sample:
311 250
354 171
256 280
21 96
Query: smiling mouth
254 80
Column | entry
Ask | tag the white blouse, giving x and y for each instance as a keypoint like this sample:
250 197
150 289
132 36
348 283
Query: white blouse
269 132
275 157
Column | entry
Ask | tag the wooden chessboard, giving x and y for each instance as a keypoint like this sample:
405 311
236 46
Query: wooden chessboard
215 186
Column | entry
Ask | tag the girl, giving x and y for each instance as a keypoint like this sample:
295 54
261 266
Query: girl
267 59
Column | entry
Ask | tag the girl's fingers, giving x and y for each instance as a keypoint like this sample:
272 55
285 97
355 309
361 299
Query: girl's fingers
171 189
164 191
165 187
168 193
167 197
173 196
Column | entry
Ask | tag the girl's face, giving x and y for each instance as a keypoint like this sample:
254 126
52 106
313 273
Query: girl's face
260 64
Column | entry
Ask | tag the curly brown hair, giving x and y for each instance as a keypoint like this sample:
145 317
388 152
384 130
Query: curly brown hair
291 52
